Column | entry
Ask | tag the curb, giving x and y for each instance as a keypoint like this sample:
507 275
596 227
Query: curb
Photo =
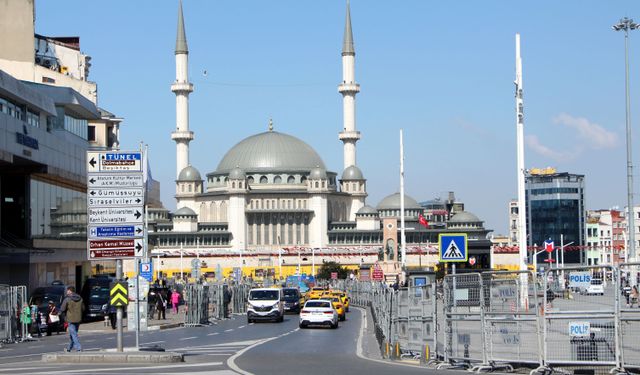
105 357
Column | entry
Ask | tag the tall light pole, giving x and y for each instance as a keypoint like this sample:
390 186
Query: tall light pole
625 25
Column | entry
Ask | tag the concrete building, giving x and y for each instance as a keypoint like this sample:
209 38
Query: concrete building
48 120
272 201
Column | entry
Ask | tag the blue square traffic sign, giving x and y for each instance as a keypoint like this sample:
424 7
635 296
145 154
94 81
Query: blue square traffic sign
453 247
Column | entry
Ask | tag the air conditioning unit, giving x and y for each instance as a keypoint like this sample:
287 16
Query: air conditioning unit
47 63
38 60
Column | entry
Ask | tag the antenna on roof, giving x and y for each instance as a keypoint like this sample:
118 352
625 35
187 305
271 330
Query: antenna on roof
270 125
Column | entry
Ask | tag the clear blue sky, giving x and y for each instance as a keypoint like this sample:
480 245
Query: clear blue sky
442 70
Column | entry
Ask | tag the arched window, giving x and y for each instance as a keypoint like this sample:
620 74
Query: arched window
291 180
317 185
250 179
233 185
303 180
263 180
190 187
277 180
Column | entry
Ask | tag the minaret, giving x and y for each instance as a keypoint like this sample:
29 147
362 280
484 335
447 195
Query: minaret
349 88
182 88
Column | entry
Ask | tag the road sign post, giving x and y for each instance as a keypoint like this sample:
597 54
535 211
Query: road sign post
115 212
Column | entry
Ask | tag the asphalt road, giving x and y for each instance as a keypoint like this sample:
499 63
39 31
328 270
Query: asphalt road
230 347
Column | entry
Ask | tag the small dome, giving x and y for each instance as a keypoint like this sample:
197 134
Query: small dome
465 217
185 211
392 202
352 173
318 173
189 174
367 210
237 174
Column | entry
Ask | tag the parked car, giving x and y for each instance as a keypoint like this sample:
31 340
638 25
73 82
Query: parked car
595 288
41 297
95 296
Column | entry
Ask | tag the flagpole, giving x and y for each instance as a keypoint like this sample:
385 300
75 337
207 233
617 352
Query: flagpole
403 250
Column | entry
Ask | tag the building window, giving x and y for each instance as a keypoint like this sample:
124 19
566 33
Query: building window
250 180
277 180
76 126
291 180
263 180
91 133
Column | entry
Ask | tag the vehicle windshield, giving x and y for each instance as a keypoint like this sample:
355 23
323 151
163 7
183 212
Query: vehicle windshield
263 295
56 298
317 304
290 292
99 292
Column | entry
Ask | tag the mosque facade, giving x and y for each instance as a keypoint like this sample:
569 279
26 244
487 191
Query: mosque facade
272 196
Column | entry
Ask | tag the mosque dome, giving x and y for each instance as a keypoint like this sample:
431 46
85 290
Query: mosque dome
465 217
185 211
236 174
392 202
189 173
367 210
352 173
271 151
318 173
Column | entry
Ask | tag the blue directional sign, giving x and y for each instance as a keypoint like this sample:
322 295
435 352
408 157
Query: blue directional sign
115 231
453 247
146 270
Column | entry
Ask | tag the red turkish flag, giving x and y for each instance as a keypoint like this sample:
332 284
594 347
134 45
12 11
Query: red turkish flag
423 221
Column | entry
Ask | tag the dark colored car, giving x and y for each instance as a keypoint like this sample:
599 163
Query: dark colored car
95 296
41 297
291 297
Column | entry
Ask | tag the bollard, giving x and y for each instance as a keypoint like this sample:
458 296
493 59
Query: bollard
424 357
396 352
387 350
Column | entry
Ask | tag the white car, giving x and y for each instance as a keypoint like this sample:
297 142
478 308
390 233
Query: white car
265 304
318 312
595 287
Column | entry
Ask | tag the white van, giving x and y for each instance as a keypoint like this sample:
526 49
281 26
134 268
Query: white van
265 304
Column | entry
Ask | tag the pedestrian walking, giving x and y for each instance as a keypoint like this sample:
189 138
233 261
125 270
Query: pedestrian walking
175 300
25 318
35 320
161 304
72 308
226 299
52 319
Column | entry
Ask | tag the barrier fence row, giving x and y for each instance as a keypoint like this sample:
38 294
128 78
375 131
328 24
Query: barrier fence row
207 303
572 317
12 300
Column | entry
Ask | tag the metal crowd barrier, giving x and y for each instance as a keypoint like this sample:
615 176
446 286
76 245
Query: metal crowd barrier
629 317
511 316
12 299
583 329
206 303
464 301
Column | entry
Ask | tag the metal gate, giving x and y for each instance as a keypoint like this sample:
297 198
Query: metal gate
464 301
580 316
511 317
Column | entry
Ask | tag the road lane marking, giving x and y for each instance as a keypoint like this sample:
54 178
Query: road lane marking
241 327
152 342
231 362
120 369
228 330
213 334
188 338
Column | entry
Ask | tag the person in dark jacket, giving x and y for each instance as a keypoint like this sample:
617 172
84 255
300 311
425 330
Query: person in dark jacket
72 309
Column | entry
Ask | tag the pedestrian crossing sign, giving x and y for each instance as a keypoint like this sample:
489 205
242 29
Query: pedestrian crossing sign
453 247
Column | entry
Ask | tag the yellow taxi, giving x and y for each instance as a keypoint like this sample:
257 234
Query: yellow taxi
338 306
315 293
344 298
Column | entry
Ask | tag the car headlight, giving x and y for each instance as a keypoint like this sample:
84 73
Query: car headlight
105 306
275 305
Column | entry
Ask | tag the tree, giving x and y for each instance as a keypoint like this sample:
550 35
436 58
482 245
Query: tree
329 267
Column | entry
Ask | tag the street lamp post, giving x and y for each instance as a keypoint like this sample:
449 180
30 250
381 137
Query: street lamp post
625 25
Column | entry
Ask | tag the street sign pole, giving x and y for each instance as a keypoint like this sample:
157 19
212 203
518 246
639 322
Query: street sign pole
137 303
119 311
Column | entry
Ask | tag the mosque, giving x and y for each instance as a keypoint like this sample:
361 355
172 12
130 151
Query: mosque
272 202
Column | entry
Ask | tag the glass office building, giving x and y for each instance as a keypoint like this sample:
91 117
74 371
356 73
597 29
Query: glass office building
555 206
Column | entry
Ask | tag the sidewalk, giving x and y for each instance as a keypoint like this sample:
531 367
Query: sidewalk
172 321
